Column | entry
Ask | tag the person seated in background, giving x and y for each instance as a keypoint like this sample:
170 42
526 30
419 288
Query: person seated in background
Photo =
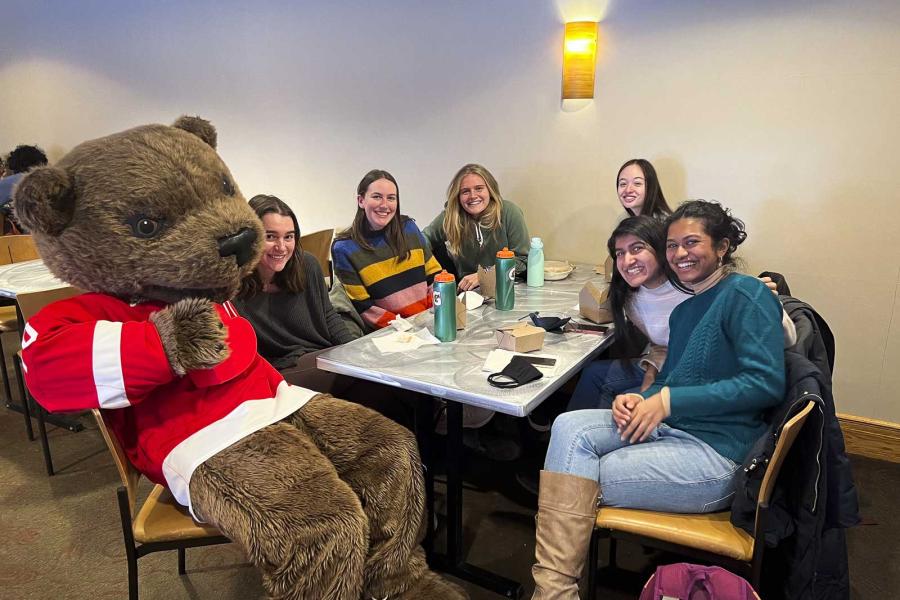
676 446
639 191
643 293
286 301
18 163
382 260
475 224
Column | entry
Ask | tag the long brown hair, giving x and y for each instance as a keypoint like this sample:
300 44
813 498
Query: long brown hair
456 219
393 231
293 277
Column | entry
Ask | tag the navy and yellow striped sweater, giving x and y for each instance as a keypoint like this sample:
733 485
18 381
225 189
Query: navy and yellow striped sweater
379 284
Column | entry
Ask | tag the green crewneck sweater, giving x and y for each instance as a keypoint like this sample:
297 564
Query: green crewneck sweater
725 364
512 234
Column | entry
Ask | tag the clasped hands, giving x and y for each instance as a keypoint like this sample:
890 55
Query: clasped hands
637 417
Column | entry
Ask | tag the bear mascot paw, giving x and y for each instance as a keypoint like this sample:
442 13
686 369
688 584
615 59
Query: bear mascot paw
326 497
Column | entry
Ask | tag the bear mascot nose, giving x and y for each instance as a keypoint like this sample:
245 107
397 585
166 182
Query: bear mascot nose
239 245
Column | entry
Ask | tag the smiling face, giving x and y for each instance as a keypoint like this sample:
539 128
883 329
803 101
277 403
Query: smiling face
637 263
632 188
691 252
281 239
379 203
474 196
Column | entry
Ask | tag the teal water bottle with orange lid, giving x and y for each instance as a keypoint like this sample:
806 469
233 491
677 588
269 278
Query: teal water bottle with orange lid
444 296
506 279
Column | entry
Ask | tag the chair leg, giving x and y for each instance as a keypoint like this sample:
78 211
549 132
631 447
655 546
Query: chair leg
128 536
45 443
181 569
26 406
612 552
132 576
5 373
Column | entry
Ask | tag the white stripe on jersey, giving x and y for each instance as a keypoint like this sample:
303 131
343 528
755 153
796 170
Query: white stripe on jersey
107 363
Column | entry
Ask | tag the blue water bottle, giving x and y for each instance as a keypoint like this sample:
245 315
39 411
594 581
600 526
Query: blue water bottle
444 296
535 276
506 280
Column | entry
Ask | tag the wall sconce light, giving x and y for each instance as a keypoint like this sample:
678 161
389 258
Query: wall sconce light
579 59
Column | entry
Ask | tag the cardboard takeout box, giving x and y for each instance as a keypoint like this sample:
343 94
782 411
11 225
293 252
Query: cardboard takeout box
593 303
521 337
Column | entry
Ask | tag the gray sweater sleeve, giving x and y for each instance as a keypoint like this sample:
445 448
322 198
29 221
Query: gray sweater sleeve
516 234
315 280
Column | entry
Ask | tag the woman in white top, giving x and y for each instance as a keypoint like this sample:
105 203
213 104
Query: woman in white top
640 293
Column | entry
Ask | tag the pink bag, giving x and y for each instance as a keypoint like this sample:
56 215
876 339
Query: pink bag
684 581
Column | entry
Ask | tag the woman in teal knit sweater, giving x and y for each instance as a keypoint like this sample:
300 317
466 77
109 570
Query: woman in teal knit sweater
677 446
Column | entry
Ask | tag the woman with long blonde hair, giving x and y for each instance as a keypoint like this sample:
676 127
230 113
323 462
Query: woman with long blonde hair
477 222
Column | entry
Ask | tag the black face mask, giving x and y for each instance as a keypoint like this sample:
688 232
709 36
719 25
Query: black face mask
554 324
518 372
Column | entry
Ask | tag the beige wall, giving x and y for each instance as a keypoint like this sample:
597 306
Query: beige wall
784 111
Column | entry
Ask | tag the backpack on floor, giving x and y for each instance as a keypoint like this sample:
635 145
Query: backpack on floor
684 581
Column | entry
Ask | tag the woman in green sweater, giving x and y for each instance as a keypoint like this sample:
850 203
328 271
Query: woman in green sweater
676 446
476 223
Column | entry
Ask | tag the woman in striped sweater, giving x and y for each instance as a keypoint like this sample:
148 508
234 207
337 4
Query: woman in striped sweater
383 260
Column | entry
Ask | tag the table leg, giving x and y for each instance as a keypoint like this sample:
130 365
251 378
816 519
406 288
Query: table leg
456 564
424 414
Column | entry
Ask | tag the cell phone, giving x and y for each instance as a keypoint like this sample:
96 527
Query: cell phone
542 361
586 327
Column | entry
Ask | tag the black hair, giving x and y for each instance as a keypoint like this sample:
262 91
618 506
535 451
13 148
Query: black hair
24 158
653 233
718 224
655 204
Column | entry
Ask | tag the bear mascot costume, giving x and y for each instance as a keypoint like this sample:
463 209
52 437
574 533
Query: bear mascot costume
325 497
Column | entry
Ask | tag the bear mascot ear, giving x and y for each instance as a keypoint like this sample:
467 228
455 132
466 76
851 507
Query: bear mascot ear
202 128
44 200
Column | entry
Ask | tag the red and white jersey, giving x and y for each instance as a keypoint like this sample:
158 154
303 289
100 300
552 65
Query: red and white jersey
96 351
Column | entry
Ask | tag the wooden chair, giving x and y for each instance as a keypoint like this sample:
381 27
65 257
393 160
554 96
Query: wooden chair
13 248
159 524
319 245
708 537
29 304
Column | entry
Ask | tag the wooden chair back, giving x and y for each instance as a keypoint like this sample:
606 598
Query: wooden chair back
788 434
129 475
319 245
18 248
31 302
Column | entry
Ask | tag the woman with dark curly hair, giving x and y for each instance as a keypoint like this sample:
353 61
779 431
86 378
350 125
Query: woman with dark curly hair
676 446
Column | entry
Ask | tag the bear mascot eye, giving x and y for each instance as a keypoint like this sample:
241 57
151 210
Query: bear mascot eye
227 186
145 227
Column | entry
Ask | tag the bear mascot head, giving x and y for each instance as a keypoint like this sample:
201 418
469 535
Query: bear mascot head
325 496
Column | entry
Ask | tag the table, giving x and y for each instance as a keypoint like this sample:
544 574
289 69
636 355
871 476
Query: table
452 371
23 278
26 277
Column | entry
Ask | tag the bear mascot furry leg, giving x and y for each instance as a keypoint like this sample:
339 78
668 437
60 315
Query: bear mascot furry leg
326 497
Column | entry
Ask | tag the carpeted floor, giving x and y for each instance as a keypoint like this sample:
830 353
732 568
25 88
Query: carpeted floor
62 538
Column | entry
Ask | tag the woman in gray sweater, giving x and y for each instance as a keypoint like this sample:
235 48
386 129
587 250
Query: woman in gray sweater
286 301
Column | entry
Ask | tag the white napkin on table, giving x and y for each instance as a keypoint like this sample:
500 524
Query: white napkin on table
401 341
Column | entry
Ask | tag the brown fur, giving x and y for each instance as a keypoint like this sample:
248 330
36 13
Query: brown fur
328 504
192 334
78 212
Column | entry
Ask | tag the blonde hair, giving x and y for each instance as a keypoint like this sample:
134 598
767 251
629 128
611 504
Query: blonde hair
455 216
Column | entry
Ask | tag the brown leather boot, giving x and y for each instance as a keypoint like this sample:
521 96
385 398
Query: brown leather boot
567 508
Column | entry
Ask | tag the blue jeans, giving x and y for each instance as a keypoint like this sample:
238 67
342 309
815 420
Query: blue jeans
602 380
671 471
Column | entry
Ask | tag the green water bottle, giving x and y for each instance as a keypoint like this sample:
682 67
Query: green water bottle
506 279
444 296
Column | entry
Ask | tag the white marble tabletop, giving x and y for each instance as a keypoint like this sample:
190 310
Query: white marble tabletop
26 277
453 370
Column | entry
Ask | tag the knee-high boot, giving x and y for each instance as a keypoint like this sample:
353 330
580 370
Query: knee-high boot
567 508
